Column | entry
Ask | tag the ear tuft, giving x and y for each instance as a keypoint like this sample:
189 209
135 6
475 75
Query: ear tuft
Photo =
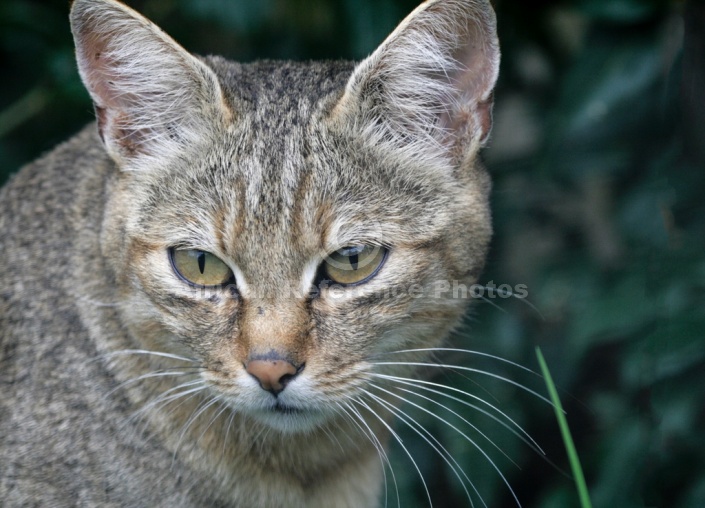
427 90
151 96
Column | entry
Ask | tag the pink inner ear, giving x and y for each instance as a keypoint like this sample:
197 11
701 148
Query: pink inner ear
475 80
127 99
91 51
100 78
148 91
100 118
484 115
437 72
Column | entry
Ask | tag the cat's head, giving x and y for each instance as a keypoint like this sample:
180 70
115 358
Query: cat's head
290 226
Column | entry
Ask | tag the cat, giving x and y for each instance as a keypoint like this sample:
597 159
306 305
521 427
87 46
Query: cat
209 296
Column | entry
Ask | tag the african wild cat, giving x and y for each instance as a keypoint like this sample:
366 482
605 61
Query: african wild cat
204 296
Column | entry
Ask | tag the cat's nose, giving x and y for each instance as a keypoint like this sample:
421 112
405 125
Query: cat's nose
272 374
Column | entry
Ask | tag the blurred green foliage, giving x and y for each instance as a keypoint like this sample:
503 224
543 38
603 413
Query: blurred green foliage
599 169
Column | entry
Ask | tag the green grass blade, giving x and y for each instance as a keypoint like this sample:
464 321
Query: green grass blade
565 432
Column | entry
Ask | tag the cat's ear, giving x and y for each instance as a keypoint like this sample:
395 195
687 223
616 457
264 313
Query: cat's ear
151 96
427 89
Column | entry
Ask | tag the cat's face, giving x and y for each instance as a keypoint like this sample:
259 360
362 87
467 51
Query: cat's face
273 203
303 227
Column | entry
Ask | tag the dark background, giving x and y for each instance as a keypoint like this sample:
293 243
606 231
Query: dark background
598 157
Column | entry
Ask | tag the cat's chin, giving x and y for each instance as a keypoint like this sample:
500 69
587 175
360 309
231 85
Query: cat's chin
289 419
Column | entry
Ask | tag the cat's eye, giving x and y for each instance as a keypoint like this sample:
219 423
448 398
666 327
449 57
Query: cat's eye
199 267
354 264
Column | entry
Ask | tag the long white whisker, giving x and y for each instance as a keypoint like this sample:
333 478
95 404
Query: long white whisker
146 352
333 438
440 449
484 298
339 411
522 299
467 351
164 399
223 408
199 411
346 414
150 375
471 425
418 383
384 458
470 440
401 443
227 430
263 431
470 369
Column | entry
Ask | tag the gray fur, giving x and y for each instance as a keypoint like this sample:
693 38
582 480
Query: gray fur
269 166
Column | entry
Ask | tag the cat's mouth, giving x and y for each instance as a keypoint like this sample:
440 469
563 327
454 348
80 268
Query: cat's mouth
291 419
286 410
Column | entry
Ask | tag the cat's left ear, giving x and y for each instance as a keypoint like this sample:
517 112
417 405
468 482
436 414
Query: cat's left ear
152 98
427 90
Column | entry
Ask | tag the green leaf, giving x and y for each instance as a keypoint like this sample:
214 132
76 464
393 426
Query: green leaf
575 465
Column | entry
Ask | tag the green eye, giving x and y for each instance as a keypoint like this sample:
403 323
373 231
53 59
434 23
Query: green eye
354 264
199 267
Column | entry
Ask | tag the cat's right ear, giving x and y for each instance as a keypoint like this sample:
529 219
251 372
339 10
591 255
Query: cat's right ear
427 90
151 96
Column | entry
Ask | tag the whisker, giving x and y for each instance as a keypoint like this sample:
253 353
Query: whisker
433 357
163 399
417 383
368 432
346 414
267 432
471 425
470 440
523 299
263 431
467 351
339 411
384 458
333 439
177 396
203 406
160 373
440 449
223 408
487 300
450 379
401 443
470 369
145 352
227 431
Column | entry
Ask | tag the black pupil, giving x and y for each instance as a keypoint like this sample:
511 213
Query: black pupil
201 261
353 254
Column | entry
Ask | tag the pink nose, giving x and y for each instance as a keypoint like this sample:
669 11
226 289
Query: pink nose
272 375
